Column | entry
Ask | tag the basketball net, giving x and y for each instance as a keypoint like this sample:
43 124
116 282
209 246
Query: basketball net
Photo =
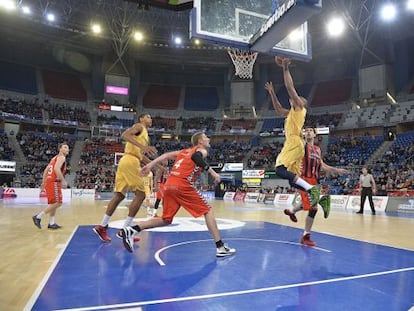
243 61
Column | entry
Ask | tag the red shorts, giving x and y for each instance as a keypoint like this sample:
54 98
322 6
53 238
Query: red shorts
160 192
304 195
185 196
54 192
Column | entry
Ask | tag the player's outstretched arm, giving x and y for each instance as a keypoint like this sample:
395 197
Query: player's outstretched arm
276 104
297 101
166 156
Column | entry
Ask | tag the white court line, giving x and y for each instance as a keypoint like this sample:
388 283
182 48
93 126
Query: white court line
162 263
42 284
241 292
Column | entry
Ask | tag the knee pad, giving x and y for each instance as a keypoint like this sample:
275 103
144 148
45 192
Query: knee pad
282 172
312 213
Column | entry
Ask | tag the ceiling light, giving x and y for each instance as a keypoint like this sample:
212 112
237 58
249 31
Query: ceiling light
336 26
388 12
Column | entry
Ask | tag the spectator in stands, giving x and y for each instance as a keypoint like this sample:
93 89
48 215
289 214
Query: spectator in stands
53 182
382 191
312 163
289 159
179 191
367 187
127 174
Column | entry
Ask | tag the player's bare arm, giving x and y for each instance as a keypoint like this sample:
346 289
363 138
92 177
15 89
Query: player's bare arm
166 156
296 101
199 160
328 168
275 102
134 130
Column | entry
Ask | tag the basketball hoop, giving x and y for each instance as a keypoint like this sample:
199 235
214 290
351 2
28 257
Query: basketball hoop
243 61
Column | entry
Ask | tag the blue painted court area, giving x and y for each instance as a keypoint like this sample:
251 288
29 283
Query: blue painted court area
270 271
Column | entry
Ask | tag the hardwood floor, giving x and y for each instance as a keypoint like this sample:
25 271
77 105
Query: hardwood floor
28 253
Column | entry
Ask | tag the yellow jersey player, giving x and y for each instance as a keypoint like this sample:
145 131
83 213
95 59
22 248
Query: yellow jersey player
127 176
289 159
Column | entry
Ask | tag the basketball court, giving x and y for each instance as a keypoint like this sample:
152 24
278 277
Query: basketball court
175 268
362 262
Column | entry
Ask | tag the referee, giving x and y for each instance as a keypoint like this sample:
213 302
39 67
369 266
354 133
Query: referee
367 186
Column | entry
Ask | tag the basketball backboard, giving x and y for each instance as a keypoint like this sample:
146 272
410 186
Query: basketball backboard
276 27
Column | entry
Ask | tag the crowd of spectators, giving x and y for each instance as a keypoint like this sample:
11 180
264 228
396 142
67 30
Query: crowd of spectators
22 108
6 152
96 168
228 152
324 120
206 124
264 156
68 113
33 109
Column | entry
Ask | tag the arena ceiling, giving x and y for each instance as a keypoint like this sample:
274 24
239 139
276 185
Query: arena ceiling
368 39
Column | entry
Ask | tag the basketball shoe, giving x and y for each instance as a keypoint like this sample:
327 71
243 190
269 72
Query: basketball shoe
37 221
291 215
101 233
225 250
314 194
325 203
53 226
119 236
128 234
305 240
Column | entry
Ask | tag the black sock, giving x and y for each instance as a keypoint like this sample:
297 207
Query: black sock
219 243
137 228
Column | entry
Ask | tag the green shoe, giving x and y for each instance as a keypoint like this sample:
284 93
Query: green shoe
325 202
314 194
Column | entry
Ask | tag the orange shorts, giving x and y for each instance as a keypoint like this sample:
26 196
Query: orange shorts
54 192
304 195
185 196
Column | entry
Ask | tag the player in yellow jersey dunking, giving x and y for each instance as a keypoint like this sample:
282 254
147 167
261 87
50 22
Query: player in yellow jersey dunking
289 159
127 176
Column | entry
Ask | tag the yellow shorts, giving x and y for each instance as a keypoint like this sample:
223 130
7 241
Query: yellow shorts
292 154
127 175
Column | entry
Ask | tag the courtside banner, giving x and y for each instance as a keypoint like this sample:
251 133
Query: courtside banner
232 167
284 199
228 196
208 195
35 194
354 203
408 205
83 193
7 166
253 173
339 201
239 196
252 197
269 198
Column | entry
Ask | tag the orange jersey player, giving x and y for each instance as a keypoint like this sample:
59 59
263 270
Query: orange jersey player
180 191
53 182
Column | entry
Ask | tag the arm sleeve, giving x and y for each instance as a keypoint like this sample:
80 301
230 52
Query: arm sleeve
197 158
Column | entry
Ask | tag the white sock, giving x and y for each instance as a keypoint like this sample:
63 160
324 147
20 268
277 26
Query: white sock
303 184
128 221
40 215
305 232
52 220
105 220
